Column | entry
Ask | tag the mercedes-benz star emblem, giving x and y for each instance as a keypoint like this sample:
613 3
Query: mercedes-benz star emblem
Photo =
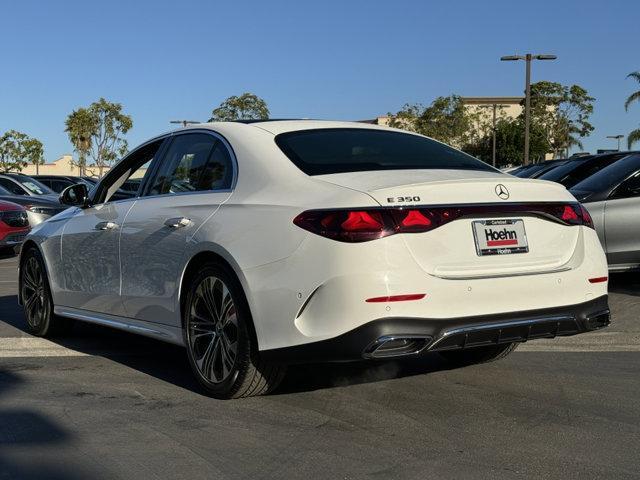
502 192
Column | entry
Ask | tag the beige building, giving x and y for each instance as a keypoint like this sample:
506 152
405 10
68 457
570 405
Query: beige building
491 109
504 107
61 166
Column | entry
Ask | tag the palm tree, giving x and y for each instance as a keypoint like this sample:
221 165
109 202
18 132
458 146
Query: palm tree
633 136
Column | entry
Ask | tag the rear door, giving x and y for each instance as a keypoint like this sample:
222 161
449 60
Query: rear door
194 178
622 223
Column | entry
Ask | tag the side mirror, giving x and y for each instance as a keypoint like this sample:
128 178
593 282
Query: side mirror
75 195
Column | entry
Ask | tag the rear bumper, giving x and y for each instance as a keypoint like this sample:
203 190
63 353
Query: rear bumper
421 335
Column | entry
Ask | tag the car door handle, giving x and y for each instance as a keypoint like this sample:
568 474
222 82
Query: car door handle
106 226
177 222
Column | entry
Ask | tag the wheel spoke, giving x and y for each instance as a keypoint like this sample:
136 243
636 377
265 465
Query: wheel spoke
232 346
205 359
28 280
207 297
216 374
227 358
29 305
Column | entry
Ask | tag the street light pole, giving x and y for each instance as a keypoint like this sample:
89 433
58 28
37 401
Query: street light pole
493 148
616 137
527 100
527 107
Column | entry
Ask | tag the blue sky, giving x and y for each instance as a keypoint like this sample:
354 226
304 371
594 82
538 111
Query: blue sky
324 59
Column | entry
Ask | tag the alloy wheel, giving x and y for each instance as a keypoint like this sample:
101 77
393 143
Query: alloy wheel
34 294
212 330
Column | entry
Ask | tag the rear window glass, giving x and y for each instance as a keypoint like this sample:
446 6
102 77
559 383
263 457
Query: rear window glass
576 171
610 176
340 150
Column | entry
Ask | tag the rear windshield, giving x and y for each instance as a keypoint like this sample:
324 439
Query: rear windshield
610 176
33 185
340 150
575 171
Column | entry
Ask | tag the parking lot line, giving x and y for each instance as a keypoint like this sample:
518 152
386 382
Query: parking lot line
34 347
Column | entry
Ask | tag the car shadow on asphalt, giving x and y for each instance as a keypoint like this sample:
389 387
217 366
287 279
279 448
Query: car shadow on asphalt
24 432
627 283
169 363
305 378
7 253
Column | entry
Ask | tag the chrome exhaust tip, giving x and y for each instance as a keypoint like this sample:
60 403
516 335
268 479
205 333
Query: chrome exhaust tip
390 346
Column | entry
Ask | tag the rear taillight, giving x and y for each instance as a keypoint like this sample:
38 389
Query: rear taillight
587 221
576 214
363 225
347 225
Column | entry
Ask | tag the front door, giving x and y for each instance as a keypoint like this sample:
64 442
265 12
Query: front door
90 240
90 258
194 178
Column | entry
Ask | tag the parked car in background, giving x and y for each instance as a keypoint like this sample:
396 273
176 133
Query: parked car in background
38 208
14 225
19 184
255 245
536 169
576 170
512 170
58 183
612 197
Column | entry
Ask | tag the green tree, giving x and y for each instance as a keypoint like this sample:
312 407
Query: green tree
562 112
97 132
509 143
245 107
80 125
18 149
634 135
446 120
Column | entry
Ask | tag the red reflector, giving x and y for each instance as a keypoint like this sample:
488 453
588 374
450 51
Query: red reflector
397 298
362 221
415 219
598 279
569 214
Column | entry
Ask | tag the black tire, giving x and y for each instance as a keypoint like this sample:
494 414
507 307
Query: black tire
217 321
478 355
37 300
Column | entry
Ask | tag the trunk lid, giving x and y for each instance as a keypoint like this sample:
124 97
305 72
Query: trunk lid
453 250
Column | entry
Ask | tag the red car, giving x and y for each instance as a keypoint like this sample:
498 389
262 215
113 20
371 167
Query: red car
14 224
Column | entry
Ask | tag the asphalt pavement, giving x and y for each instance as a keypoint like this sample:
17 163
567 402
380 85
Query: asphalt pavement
106 404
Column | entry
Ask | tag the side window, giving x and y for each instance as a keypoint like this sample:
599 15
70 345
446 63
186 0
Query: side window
193 162
12 187
219 172
134 169
629 188
58 185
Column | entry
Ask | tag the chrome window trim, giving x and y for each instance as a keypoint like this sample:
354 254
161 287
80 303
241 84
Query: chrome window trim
232 156
162 151
124 159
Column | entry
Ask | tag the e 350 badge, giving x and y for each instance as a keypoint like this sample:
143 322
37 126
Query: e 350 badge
403 199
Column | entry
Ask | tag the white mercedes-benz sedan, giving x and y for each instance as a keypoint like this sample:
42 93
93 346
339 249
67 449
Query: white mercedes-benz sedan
260 244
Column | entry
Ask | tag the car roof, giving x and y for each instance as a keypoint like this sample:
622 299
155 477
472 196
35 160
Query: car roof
278 126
